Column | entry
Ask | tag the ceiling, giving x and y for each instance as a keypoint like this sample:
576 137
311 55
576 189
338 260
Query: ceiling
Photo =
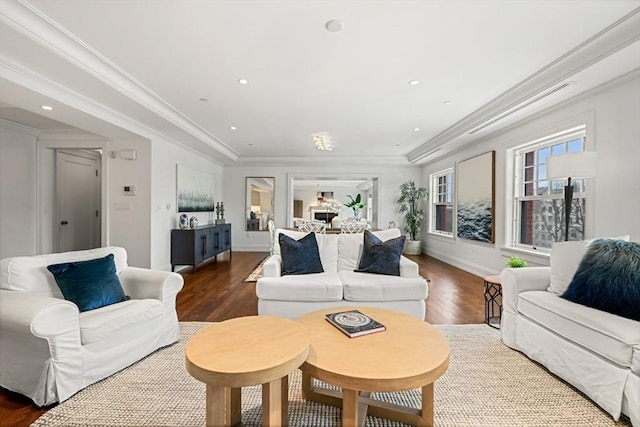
172 68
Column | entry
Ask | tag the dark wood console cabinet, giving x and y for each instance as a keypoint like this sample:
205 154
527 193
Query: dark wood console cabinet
193 247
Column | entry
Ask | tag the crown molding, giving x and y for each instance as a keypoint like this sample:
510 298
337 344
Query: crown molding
25 77
615 37
584 116
313 160
17 127
30 22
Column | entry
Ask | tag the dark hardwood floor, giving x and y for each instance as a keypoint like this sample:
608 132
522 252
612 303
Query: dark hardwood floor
218 292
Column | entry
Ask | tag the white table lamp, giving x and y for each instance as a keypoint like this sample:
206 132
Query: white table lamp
572 165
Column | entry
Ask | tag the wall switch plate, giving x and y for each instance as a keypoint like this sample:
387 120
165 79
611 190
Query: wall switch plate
129 190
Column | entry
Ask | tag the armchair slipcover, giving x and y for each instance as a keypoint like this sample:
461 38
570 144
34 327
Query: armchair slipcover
49 350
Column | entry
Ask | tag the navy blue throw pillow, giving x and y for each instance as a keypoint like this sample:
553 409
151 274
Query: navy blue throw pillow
380 257
89 284
300 256
608 278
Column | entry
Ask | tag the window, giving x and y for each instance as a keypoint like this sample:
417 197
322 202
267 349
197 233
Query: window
442 203
539 208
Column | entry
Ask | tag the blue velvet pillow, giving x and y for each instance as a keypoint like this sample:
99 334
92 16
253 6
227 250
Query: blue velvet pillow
608 278
89 284
300 256
380 257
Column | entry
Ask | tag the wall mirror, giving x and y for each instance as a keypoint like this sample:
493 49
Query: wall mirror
259 200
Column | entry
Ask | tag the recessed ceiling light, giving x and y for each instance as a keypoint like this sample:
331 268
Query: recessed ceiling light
243 81
414 82
46 107
447 102
233 128
204 100
416 129
334 25
397 145
250 145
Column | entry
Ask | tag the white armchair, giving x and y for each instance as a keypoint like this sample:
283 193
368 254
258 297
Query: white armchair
49 350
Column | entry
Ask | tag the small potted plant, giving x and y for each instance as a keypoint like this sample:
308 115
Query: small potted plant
516 262
410 199
355 204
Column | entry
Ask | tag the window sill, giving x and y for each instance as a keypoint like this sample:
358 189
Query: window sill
443 237
528 255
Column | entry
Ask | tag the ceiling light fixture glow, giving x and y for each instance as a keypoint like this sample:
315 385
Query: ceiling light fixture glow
46 107
322 141
243 81
233 128
416 129
414 82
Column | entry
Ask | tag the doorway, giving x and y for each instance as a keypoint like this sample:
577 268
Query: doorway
78 195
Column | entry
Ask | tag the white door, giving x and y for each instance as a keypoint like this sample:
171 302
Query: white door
78 200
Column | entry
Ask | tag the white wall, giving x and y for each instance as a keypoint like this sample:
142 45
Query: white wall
17 189
129 224
234 186
164 217
612 114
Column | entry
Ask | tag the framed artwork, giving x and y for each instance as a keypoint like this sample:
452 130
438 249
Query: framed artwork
476 198
194 190
323 196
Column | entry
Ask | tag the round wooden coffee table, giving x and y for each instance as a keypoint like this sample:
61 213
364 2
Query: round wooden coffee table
409 354
242 352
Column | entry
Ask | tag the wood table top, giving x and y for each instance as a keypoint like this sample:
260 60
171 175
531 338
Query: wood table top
410 353
246 351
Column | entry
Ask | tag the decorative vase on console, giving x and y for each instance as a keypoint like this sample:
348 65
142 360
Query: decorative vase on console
183 223
193 223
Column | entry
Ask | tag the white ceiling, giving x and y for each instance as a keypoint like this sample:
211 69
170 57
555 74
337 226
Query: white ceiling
145 65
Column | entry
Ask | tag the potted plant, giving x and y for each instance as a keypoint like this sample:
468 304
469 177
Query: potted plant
409 201
355 204
516 262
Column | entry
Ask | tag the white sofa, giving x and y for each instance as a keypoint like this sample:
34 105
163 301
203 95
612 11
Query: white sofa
292 296
49 350
595 351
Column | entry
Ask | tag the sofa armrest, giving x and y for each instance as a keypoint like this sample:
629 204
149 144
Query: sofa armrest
272 267
143 283
37 315
408 268
517 280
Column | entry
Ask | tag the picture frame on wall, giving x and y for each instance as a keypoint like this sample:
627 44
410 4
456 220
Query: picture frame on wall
475 179
194 190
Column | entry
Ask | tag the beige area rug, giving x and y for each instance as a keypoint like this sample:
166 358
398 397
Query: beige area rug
256 273
487 385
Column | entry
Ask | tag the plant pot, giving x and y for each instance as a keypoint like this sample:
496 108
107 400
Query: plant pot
411 247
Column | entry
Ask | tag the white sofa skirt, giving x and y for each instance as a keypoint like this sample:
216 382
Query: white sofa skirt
295 309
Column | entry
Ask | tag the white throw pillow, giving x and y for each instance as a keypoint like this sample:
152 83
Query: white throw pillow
565 259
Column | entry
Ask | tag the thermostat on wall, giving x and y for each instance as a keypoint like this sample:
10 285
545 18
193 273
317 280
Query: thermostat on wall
129 190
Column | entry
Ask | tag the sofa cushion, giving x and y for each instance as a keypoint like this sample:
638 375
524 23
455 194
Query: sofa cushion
608 335
380 257
308 287
113 319
564 261
30 274
300 256
350 247
608 278
377 287
89 284
327 246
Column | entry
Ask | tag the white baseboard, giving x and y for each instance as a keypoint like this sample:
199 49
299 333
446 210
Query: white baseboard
463 264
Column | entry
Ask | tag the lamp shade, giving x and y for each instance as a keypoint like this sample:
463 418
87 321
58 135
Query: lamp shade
573 165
